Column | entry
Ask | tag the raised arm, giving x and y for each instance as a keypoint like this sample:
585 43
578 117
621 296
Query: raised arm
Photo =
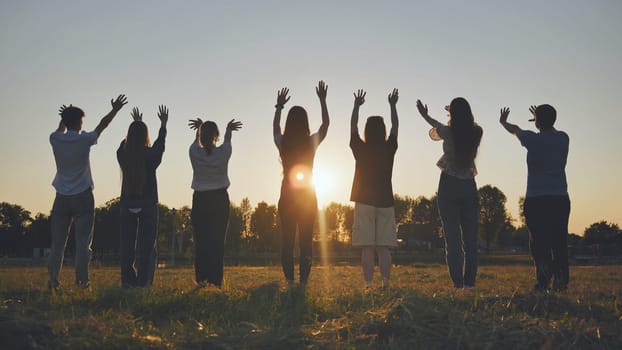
232 126
359 99
503 119
281 100
423 110
61 126
116 107
163 116
195 124
393 97
321 90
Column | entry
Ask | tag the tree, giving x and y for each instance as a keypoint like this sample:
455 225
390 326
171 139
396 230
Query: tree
602 232
265 227
403 209
107 226
40 232
14 220
494 217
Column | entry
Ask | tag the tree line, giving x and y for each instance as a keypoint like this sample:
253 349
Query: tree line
255 230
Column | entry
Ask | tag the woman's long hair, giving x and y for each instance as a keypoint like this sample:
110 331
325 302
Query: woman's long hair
295 146
208 136
375 131
467 135
133 163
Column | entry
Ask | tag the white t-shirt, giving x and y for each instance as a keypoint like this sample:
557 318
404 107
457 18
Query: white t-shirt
210 172
447 162
73 168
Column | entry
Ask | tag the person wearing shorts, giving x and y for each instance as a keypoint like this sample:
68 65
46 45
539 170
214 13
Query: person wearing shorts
372 191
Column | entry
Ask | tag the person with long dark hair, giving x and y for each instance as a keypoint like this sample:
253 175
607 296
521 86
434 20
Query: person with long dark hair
139 200
298 202
74 202
210 201
547 204
373 228
458 198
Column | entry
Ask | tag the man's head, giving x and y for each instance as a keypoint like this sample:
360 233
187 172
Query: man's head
72 118
545 116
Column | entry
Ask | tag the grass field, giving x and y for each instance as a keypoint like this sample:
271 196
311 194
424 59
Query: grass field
254 310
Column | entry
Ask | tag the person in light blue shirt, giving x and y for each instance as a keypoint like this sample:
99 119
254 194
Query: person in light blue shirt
73 183
547 205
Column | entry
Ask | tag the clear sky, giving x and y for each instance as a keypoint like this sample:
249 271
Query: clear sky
225 59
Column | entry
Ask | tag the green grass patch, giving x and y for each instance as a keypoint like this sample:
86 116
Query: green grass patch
255 310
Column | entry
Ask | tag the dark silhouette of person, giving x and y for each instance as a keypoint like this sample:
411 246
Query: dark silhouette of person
210 200
458 199
74 202
298 203
547 204
139 200
372 190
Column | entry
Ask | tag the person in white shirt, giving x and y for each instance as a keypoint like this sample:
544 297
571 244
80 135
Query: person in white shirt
210 201
74 190
458 198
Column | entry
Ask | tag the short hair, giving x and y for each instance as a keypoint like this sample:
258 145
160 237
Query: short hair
546 116
71 117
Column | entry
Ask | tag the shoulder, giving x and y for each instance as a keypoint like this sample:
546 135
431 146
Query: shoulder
443 130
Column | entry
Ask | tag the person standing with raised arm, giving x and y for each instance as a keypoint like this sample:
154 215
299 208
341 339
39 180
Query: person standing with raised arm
139 200
73 183
210 201
373 228
458 199
298 202
547 204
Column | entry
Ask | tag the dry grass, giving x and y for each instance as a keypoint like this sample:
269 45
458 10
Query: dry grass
254 310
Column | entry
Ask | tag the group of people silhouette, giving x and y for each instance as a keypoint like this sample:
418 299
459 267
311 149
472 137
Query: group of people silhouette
546 207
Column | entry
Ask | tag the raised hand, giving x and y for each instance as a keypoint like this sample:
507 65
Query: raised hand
281 97
163 113
136 115
393 97
505 112
119 102
321 90
62 109
195 124
423 108
234 125
532 110
359 97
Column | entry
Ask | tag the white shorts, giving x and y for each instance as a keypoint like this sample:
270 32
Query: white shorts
373 226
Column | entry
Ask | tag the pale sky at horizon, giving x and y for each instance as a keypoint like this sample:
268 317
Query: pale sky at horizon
224 60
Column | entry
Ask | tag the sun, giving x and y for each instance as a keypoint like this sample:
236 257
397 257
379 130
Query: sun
324 183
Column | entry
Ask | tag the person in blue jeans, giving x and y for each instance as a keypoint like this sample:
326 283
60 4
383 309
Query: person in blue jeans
547 204
298 202
210 200
458 199
139 200
73 183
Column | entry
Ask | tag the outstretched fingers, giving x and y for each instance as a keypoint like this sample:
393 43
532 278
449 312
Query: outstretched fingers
423 108
163 113
504 113
234 125
393 97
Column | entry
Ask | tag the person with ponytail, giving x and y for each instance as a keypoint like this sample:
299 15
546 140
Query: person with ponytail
373 228
458 199
298 202
210 201
139 200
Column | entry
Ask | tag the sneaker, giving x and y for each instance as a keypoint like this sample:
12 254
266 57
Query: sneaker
84 285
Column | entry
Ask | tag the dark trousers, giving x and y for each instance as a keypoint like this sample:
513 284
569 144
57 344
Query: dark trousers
210 219
138 251
297 209
79 210
458 207
547 221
